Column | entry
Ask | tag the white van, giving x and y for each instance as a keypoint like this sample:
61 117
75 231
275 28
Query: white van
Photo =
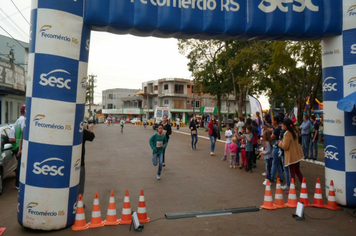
158 115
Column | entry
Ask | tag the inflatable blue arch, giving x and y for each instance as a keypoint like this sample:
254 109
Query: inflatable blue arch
58 61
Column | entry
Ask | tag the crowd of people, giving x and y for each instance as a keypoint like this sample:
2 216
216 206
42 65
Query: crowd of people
277 140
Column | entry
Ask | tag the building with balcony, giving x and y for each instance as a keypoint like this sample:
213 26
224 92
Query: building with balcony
122 103
13 70
176 93
179 95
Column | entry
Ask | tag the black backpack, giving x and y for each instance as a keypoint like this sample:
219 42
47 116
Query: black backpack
216 131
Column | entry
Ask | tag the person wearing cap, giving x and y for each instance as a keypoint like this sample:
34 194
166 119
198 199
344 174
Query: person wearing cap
15 137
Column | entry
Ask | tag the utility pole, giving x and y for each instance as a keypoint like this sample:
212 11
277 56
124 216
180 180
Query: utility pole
91 92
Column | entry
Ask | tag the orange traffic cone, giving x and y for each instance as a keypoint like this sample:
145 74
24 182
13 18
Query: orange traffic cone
292 196
126 218
111 217
141 210
80 223
331 204
303 198
96 220
268 202
318 198
278 197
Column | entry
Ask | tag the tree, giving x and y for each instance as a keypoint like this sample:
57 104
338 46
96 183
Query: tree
297 65
209 76
247 63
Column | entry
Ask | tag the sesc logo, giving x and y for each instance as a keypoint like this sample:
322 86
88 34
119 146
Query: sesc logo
53 81
269 6
77 165
331 152
44 34
330 86
352 82
83 83
352 11
353 154
44 169
353 49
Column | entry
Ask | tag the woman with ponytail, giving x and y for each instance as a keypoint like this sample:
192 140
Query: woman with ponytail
292 150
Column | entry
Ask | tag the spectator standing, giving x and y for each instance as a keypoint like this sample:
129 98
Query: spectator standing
305 131
228 136
16 136
267 154
293 153
177 122
193 126
276 152
240 124
214 133
249 147
314 138
88 135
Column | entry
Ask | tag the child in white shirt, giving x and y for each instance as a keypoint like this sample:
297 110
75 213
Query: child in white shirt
228 136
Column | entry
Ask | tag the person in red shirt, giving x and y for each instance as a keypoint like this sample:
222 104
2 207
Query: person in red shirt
294 120
214 133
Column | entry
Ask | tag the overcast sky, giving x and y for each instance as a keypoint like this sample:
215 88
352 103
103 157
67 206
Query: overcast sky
118 61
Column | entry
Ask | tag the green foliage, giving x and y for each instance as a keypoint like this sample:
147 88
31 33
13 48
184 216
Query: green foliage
295 72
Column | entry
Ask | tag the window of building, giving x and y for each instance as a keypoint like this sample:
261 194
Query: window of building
166 102
188 101
192 88
114 106
166 87
110 106
103 106
110 96
178 88
188 86
197 104
156 87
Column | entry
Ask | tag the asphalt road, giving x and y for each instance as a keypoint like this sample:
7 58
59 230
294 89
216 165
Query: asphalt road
191 181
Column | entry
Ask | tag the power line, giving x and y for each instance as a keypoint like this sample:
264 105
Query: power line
12 37
14 13
14 24
20 13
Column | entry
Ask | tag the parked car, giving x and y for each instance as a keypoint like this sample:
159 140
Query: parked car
8 162
134 120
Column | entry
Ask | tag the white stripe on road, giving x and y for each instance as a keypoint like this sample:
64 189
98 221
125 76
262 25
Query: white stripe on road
217 214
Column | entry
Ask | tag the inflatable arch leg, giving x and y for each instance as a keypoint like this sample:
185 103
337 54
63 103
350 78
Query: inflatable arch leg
55 103
339 71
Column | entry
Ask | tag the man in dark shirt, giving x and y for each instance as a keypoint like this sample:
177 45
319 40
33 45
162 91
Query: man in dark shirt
167 130
88 135
314 138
